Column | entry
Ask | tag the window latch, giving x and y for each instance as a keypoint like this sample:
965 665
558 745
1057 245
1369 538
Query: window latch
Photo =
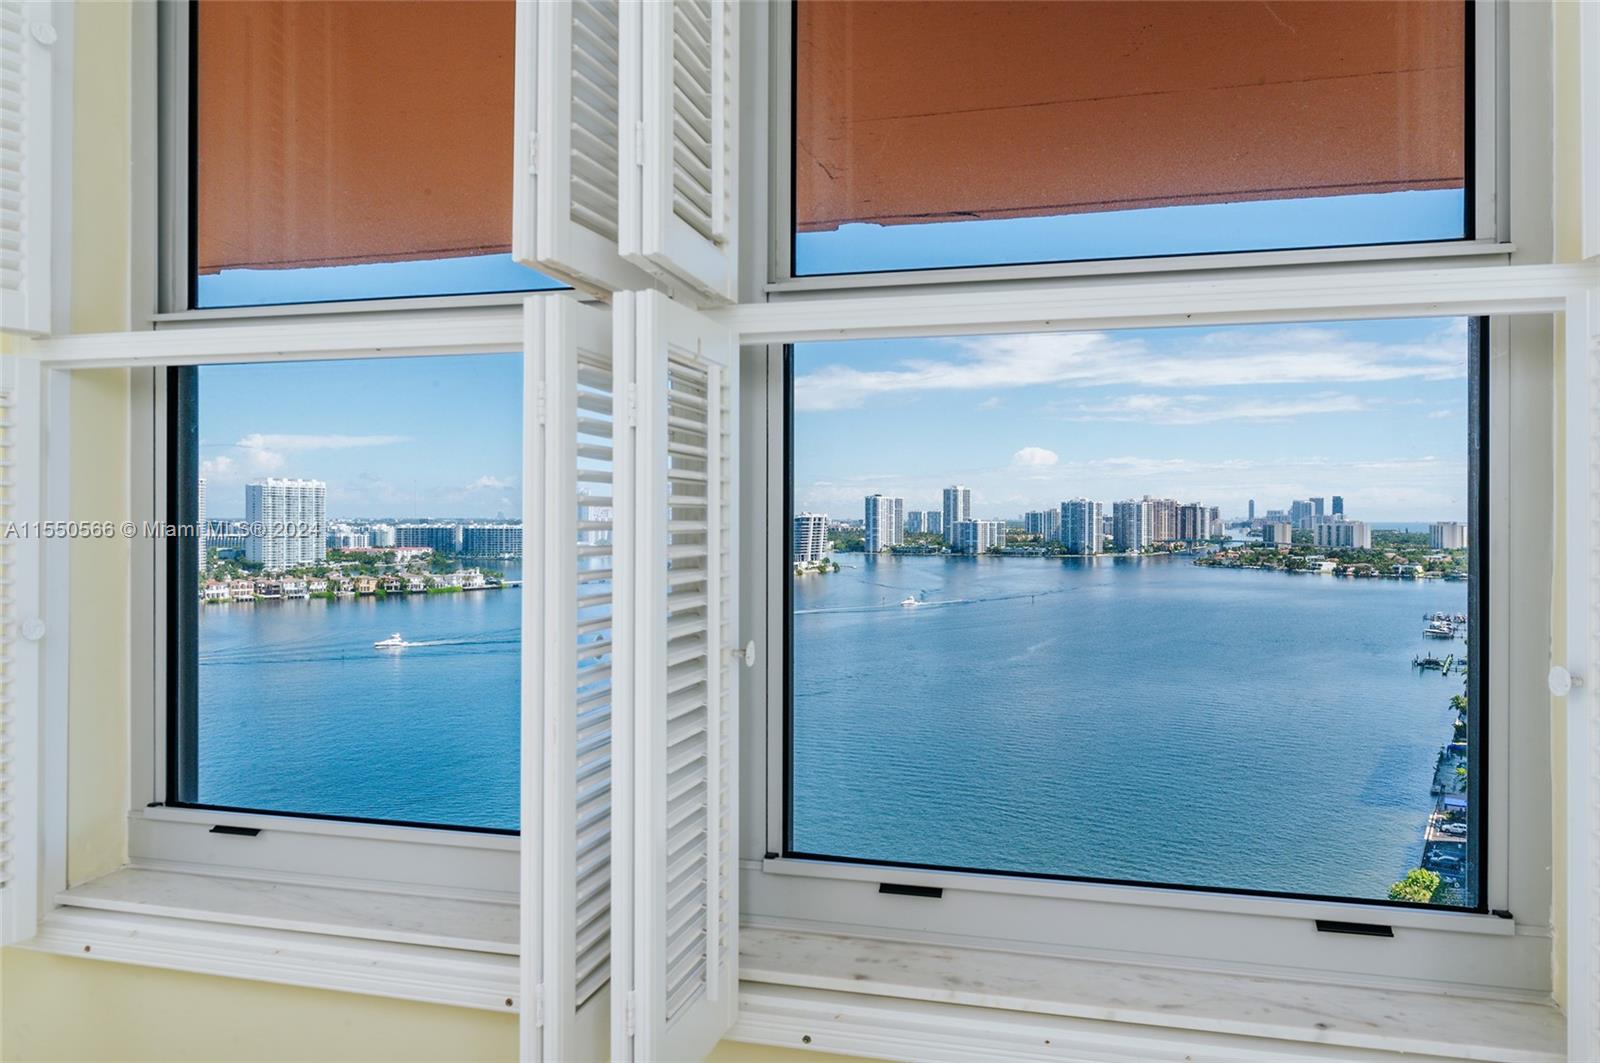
747 655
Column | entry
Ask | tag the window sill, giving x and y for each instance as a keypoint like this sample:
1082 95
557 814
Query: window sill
441 950
906 1001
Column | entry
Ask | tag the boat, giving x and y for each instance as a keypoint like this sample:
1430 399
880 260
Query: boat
393 642
909 601
1429 662
1439 629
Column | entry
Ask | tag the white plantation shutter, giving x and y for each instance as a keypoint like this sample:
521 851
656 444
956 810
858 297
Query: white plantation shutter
679 92
675 945
26 36
567 683
19 653
566 189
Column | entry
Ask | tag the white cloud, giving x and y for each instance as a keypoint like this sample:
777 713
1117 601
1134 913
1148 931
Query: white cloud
1204 409
258 440
1035 458
489 483
217 468
993 402
1224 357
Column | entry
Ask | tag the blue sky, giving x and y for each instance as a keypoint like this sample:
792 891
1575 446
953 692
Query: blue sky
398 437
1373 411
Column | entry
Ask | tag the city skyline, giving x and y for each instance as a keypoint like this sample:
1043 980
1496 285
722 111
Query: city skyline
1374 410
396 438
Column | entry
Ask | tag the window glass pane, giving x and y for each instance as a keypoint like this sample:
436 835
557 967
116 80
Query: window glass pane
971 133
1192 607
353 151
357 617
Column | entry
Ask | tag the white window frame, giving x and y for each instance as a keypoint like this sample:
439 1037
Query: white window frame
1507 957
1492 239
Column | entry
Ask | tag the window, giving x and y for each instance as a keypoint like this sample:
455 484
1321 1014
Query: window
347 624
1193 607
352 151
971 134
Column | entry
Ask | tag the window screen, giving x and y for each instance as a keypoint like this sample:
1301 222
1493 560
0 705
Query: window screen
980 133
1188 607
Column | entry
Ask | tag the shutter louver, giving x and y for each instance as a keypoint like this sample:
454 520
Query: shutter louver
567 736
26 35
678 818
682 171
566 193
19 658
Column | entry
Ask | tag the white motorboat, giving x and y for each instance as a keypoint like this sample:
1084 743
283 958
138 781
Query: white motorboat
393 642
910 601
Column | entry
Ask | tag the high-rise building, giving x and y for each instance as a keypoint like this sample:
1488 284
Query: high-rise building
810 537
1214 522
885 522
977 536
1301 513
933 521
1163 519
1317 502
1194 523
441 538
1447 535
288 522
1080 526
957 506
491 540
1338 505
1130 525
1277 533
1252 516
914 522
381 535
1343 535
200 521
345 537
1045 523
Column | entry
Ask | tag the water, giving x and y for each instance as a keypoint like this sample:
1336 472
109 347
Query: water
1127 719
298 712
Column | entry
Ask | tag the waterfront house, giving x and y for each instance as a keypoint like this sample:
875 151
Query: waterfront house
366 585
269 588
316 585
1407 571
472 580
393 584
416 584
215 591
295 588
242 590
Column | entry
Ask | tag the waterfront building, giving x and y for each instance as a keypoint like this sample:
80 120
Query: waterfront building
1340 534
1163 519
1194 523
242 590
1130 525
445 538
1277 533
1080 526
977 536
200 521
914 522
380 535
1045 523
957 506
492 540
933 521
288 524
344 537
216 591
884 522
810 537
295 588
1447 535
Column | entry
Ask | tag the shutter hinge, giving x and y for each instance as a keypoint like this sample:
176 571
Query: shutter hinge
638 144
538 402
633 405
538 1004
627 1014
533 152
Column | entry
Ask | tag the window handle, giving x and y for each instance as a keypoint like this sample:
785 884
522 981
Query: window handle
748 654
1562 681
